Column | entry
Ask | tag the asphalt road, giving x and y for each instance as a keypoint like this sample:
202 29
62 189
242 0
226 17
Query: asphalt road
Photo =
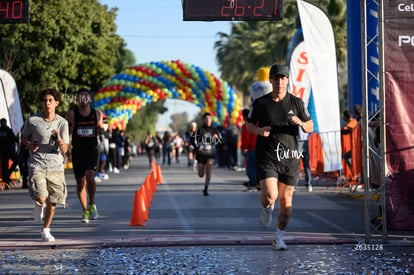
218 234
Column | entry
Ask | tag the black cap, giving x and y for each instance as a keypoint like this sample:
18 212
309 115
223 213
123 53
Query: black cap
278 69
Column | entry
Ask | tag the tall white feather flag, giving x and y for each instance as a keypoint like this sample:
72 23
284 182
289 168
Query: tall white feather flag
320 46
10 108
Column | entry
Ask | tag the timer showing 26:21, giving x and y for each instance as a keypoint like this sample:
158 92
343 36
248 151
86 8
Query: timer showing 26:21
232 10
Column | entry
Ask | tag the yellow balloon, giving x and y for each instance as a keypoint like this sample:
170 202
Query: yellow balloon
263 74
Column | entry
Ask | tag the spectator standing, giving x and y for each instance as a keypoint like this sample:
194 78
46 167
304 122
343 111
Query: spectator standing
221 149
231 139
303 146
46 134
187 143
351 123
158 147
85 124
275 118
248 147
103 141
113 155
8 141
166 148
178 147
127 154
151 143
24 158
120 148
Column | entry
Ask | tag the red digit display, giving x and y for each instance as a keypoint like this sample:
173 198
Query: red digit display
232 10
14 11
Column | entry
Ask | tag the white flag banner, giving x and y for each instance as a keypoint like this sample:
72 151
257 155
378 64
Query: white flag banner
10 108
299 81
320 46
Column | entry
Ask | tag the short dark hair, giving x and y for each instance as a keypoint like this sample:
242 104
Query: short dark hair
83 90
206 114
347 114
245 113
50 91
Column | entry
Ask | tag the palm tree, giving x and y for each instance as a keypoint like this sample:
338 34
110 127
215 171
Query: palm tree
254 44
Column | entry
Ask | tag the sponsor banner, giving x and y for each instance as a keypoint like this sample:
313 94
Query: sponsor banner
355 54
322 69
354 42
9 102
399 103
299 82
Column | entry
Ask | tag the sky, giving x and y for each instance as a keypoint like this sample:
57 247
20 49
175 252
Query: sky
154 30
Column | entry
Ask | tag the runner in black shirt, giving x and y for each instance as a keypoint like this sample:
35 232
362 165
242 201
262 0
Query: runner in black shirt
205 139
85 124
275 118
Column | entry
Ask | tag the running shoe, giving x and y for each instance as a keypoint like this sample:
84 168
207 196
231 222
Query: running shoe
46 236
85 216
38 212
279 244
93 212
266 216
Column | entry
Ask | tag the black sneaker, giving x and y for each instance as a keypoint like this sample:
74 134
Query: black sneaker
205 192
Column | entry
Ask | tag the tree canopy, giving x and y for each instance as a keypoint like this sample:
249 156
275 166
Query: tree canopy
251 45
67 45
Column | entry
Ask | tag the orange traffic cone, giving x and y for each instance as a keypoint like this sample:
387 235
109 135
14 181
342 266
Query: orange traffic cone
151 177
137 217
144 206
148 190
159 175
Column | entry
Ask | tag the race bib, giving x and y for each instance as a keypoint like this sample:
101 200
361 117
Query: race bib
206 147
85 132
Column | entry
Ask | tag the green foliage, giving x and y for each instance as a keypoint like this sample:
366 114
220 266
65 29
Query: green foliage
251 45
180 122
144 121
67 45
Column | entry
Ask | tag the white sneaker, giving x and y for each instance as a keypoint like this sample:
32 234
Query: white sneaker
116 170
266 216
309 188
38 212
93 212
46 236
97 179
102 176
251 189
279 244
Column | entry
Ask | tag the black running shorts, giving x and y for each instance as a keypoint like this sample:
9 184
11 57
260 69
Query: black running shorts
286 174
84 161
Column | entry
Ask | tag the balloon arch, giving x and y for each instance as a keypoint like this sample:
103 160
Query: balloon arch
125 93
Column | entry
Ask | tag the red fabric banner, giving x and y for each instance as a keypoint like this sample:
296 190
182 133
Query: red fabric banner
399 106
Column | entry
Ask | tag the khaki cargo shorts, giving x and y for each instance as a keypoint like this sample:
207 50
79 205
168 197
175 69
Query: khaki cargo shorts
49 184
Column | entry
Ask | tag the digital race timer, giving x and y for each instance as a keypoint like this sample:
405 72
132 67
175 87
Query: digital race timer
232 10
14 11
